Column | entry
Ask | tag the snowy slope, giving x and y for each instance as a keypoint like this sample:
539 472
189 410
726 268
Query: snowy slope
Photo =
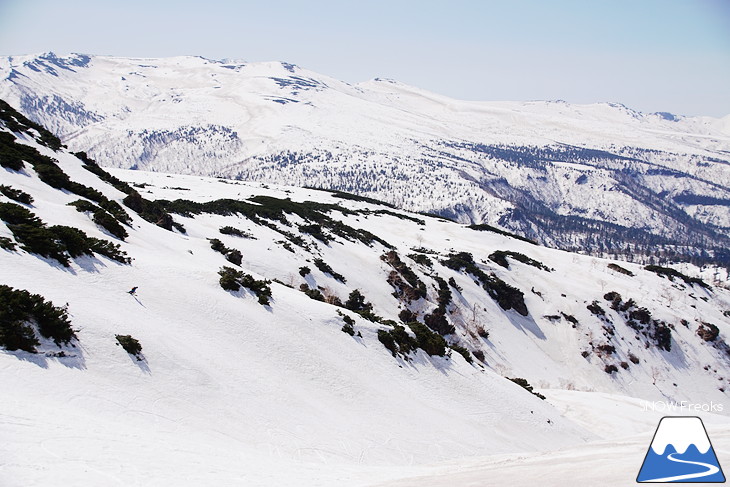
230 391
571 176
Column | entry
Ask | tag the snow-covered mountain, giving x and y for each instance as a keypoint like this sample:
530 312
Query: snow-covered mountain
320 338
602 177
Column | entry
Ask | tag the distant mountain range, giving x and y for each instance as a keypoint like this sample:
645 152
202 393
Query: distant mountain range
600 178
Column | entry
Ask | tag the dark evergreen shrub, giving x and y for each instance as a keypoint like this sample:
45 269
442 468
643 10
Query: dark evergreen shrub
663 337
108 249
16 122
620 269
130 345
408 287
596 309
463 352
642 315
452 283
259 287
432 343
526 386
615 299
16 194
325 268
217 245
436 321
315 230
489 228
508 297
74 241
91 166
152 211
304 271
421 259
398 340
349 326
356 302
633 358
7 244
232 280
500 258
407 316
228 230
672 273
84 206
624 365
14 214
229 279
57 242
234 257
19 308
610 369
444 293
37 239
708 332
386 338
315 294
109 223
479 355
570 318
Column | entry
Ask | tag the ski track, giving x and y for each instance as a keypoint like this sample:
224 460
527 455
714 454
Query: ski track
711 469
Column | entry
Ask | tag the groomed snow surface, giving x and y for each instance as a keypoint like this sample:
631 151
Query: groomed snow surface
234 393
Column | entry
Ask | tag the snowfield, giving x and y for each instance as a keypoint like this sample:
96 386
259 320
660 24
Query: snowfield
230 392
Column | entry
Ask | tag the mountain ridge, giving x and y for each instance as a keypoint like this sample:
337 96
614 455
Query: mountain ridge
551 171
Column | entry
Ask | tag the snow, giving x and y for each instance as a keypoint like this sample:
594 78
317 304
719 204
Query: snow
680 432
232 392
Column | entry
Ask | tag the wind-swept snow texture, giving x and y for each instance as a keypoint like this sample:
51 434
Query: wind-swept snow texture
227 391
600 177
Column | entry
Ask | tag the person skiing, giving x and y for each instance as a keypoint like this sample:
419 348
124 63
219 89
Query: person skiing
133 291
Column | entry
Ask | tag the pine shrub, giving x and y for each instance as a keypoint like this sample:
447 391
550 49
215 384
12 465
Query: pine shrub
19 308
432 343
325 268
672 273
229 230
232 280
130 345
526 386
463 352
16 194
621 270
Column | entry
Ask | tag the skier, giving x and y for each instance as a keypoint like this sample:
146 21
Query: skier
133 291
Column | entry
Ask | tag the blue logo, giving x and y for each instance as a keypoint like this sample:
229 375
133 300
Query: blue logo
681 452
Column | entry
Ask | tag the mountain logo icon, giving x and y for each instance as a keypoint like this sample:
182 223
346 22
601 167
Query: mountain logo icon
681 452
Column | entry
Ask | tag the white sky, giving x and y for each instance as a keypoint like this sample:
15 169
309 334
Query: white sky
651 55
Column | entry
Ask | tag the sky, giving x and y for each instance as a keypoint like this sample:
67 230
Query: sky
651 55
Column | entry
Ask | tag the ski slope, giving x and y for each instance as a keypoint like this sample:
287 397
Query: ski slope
233 392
